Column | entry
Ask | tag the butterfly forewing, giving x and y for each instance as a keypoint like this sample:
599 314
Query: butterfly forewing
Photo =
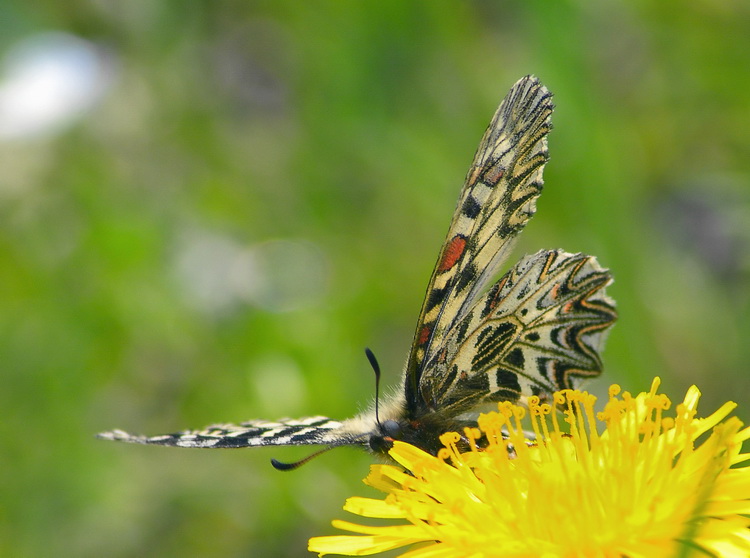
497 200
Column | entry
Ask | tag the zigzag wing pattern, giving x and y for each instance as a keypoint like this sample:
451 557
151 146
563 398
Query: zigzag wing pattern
536 331
284 432
497 200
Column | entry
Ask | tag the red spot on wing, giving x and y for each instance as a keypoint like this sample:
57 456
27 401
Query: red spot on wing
453 252
555 291
493 175
474 176
424 335
443 356
496 295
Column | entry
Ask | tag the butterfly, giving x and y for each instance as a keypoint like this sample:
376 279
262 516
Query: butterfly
536 330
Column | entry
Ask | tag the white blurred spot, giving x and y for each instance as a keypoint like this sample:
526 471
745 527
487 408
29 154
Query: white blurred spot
278 384
202 267
281 275
278 275
49 80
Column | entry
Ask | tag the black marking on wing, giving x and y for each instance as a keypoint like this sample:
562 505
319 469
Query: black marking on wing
515 358
509 386
491 342
471 208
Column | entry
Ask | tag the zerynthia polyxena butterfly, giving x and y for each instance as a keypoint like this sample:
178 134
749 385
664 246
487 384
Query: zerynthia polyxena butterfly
538 329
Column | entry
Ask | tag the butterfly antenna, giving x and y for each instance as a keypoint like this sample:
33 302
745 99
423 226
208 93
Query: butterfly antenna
280 466
376 369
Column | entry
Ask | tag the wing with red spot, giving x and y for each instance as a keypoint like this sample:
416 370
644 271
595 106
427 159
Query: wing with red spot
539 329
496 202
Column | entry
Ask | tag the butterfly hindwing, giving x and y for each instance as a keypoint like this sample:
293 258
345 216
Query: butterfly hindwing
496 202
537 330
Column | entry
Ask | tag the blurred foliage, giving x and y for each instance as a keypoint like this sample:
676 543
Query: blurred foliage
345 128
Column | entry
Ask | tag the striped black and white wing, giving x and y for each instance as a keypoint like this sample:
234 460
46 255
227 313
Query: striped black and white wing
257 433
497 200
539 329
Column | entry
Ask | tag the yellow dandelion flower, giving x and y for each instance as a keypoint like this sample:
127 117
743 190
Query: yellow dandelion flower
640 488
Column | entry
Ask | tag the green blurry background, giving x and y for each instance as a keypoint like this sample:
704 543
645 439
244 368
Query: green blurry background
256 191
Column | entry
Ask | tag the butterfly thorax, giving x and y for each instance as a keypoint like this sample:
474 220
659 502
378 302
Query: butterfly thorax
421 429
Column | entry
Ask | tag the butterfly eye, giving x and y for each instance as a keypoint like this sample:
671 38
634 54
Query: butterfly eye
383 440
391 428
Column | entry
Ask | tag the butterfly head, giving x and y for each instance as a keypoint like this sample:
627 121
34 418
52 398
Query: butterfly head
386 432
423 432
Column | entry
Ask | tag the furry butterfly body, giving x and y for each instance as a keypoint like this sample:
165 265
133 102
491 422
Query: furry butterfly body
538 329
